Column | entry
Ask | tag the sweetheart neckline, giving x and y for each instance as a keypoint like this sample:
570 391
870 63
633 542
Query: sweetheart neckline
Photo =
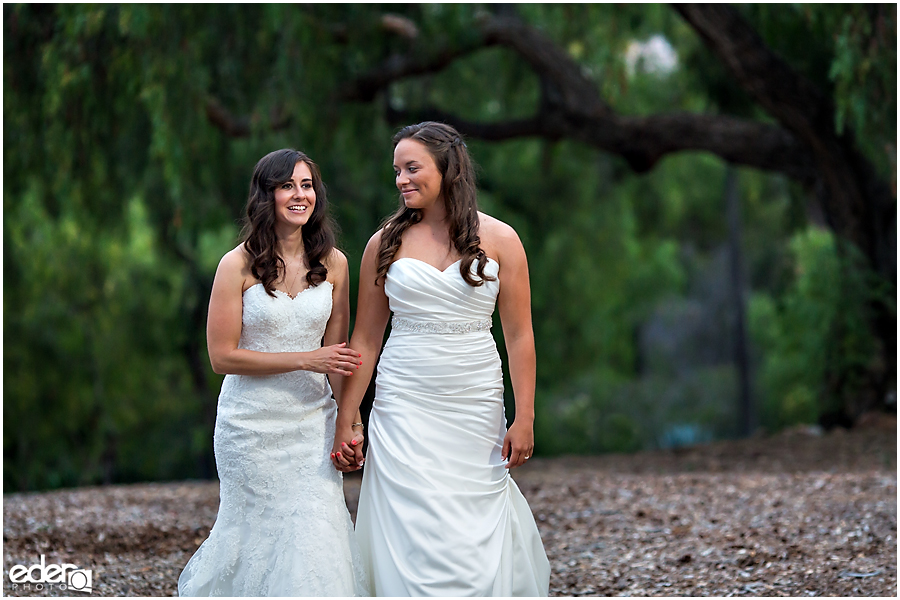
444 270
295 296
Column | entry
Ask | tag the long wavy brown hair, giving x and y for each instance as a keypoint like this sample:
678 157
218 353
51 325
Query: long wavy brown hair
460 196
258 233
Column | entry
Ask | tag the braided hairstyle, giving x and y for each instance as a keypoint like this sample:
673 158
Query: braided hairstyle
458 190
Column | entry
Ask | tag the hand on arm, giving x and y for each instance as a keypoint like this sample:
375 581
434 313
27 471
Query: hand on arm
223 333
372 314
514 303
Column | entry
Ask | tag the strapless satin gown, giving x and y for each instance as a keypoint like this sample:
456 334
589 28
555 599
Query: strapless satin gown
439 514
283 528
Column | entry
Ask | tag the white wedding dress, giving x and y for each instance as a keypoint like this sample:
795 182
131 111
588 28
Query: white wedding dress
439 514
283 528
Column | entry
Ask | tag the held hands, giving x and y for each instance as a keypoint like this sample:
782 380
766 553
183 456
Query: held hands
518 445
348 456
333 360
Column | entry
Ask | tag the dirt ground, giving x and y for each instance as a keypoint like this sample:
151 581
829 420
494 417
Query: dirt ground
800 513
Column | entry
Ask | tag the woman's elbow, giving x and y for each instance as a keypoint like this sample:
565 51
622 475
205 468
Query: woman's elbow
218 365
362 342
519 336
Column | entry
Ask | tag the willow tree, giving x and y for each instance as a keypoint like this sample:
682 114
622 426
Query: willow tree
804 123
130 132
825 74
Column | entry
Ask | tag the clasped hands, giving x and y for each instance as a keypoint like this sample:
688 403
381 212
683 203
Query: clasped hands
347 456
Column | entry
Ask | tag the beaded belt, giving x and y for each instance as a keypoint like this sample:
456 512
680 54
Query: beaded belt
401 324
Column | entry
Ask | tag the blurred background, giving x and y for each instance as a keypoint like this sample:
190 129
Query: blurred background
707 197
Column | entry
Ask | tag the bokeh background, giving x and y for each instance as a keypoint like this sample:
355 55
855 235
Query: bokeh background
707 197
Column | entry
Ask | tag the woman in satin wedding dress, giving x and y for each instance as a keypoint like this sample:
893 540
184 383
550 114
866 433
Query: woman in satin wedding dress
439 514
282 528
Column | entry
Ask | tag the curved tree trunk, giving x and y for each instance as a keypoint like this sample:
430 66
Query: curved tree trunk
858 205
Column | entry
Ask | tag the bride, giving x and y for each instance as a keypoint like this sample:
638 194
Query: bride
283 528
438 513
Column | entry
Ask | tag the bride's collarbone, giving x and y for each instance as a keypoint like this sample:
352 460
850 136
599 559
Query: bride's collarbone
438 257
278 289
441 264
433 252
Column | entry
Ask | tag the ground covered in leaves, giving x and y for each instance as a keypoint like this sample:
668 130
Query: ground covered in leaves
800 513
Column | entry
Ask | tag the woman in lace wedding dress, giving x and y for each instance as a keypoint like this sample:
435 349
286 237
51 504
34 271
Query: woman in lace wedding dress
283 528
439 514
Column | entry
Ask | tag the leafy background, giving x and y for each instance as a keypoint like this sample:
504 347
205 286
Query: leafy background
121 195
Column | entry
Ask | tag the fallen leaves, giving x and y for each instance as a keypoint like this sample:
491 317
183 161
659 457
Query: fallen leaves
791 515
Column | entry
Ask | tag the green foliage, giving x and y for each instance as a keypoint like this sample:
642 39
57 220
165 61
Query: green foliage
855 58
91 349
121 195
864 72
606 412
815 341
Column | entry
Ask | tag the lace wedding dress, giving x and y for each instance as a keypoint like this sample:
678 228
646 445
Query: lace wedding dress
283 528
439 514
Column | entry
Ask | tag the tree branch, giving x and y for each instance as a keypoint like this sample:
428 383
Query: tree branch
492 132
400 66
568 84
787 95
237 127
858 205
643 141
222 118
572 107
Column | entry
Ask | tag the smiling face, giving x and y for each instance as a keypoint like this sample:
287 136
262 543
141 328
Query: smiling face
417 175
295 199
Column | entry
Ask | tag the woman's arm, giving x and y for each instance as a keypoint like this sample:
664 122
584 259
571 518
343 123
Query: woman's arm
336 331
514 303
223 333
372 312
338 326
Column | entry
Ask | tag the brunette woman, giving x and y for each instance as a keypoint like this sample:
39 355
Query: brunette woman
283 528
439 514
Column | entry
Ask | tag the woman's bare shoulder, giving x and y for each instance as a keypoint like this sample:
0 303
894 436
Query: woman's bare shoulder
376 237
374 243
335 263
335 258
236 259
495 235
235 267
